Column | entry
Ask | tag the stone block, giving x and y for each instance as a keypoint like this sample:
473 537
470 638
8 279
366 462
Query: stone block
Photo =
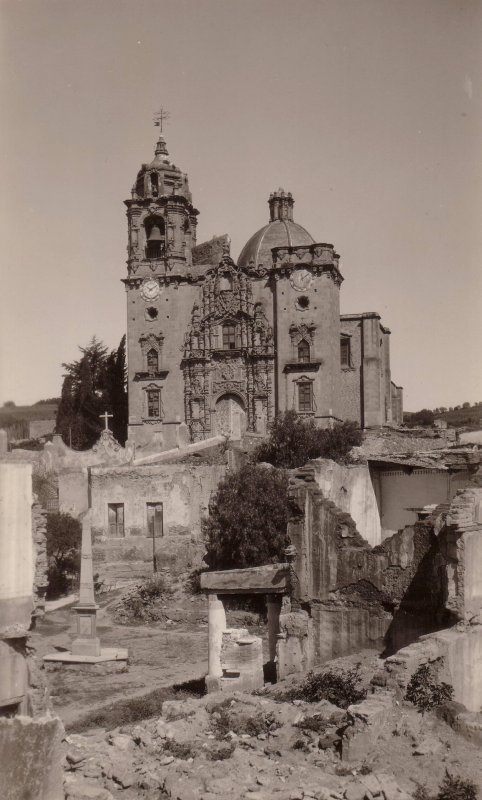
366 722
241 661
31 756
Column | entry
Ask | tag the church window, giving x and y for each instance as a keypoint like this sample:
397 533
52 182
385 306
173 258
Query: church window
303 352
155 183
152 313
305 397
152 361
225 283
229 337
154 403
345 351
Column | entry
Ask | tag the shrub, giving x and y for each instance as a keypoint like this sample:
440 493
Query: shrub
220 751
424 692
341 689
294 440
452 788
456 788
248 518
226 719
316 723
141 604
183 750
63 536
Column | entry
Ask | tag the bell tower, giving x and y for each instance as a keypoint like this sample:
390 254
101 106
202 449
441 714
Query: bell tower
161 234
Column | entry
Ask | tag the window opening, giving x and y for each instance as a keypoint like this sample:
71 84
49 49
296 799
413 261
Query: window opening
303 352
303 302
152 362
155 230
345 351
305 397
116 519
154 403
229 337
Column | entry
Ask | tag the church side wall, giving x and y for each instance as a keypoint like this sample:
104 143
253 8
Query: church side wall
373 402
324 312
350 376
386 375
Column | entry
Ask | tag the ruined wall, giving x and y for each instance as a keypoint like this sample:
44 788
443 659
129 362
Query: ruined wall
350 488
400 491
23 568
358 596
455 656
39 535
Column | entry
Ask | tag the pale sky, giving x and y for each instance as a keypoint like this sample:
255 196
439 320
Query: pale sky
368 111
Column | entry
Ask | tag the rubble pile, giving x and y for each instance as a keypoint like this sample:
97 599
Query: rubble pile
247 747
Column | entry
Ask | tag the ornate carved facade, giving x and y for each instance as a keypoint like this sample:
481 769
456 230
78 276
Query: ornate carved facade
229 353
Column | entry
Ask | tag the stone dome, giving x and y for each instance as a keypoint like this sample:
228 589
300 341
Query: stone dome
281 231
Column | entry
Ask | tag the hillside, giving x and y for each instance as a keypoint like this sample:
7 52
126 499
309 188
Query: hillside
456 418
16 419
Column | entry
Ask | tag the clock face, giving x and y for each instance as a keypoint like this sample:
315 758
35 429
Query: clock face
301 280
150 290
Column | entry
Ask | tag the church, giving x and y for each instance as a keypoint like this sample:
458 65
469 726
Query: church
223 346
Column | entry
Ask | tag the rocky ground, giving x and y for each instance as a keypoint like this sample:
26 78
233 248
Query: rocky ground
249 747
237 746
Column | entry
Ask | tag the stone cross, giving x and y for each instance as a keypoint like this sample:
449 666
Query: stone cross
105 416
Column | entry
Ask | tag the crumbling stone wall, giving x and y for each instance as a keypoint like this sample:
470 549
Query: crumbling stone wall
384 597
39 536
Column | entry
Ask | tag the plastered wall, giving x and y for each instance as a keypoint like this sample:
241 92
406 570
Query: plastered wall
184 491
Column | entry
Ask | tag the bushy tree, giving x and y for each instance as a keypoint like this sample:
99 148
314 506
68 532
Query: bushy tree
423 417
63 551
116 390
248 518
294 440
93 384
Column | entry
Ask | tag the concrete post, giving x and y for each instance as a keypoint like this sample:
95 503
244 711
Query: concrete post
273 604
216 626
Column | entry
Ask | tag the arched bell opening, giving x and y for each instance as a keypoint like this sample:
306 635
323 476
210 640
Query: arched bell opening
155 237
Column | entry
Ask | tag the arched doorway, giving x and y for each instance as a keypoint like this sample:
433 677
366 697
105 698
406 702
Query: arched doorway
230 416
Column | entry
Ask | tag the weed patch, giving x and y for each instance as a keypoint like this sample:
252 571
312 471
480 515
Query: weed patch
341 689
134 709
425 692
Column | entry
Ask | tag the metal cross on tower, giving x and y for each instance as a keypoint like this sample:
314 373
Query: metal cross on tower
105 416
160 117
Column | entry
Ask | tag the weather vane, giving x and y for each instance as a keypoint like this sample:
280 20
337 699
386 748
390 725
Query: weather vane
160 117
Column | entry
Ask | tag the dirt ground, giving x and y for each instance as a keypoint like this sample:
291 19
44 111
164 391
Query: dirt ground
149 760
160 654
